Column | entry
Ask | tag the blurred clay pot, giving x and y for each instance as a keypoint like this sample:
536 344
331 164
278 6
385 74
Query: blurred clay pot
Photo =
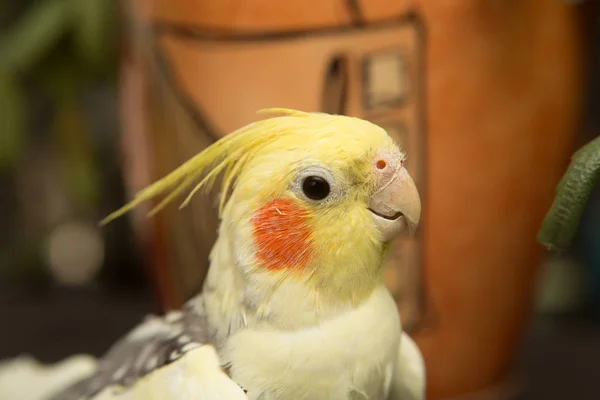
504 89
484 95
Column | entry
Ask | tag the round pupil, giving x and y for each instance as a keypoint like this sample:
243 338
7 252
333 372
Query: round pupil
315 188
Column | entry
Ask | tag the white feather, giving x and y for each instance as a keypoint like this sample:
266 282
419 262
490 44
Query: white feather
196 375
25 378
343 355
409 379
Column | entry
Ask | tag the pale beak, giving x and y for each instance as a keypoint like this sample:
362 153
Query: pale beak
396 206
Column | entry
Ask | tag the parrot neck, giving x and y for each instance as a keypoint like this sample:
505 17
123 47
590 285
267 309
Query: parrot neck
236 299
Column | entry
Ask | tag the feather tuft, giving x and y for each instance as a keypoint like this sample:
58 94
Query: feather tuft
228 155
284 111
336 139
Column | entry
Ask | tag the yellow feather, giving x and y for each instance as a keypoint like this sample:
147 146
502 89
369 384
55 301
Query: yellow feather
229 154
219 155
284 111
228 181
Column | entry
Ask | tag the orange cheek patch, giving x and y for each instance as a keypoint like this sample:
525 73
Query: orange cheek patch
282 235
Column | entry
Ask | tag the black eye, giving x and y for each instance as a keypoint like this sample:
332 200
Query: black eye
315 187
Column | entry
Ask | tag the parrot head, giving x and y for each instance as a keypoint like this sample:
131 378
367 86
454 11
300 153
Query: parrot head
308 197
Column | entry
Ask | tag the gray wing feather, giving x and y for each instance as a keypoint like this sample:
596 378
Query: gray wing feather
156 342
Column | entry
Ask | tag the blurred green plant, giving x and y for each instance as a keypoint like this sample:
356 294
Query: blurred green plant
62 46
572 194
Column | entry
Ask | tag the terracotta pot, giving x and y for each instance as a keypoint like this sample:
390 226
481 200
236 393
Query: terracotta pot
496 84
504 88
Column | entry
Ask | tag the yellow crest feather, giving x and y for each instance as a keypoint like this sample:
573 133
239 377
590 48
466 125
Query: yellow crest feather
284 111
227 155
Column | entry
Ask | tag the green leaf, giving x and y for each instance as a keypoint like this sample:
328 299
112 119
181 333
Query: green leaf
561 222
12 119
2 11
63 81
34 34
62 77
95 26
72 138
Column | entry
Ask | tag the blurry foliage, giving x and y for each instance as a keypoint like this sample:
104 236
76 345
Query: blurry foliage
55 56
572 194
61 46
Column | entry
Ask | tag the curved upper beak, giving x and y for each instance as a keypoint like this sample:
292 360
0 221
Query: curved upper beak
396 206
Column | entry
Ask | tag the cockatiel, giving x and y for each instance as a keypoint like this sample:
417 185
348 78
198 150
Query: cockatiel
294 305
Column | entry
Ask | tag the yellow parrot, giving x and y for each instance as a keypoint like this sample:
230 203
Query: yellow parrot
294 306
